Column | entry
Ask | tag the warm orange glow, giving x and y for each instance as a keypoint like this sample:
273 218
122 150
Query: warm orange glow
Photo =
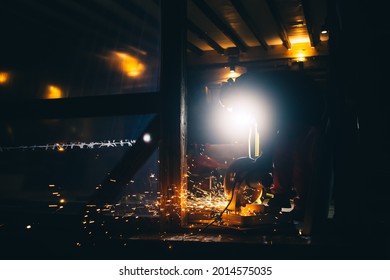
62 200
238 71
233 75
252 209
301 56
128 64
299 39
302 51
60 148
53 92
324 36
4 78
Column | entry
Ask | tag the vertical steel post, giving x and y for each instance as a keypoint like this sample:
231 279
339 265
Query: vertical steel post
173 166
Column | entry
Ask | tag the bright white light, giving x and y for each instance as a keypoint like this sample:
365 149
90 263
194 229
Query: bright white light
247 110
250 109
242 118
147 138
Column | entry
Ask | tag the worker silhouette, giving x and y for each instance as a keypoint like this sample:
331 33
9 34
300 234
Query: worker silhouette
295 106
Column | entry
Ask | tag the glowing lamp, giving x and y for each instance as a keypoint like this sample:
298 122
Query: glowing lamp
4 78
53 92
129 65
247 112
324 35
60 148
147 138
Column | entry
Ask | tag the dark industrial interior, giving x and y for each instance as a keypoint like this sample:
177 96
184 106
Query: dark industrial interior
194 129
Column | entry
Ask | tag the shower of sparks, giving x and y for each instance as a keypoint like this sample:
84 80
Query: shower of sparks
134 205
201 200
204 193
71 145
55 204
205 197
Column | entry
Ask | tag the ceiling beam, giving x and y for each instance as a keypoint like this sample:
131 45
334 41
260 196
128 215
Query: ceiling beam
203 35
282 32
249 22
225 28
194 48
259 54
309 24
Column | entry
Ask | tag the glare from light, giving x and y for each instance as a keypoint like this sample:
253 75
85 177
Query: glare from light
233 75
301 51
247 111
4 78
299 39
28 227
233 72
251 109
324 35
60 148
62 200
242 118
147 138
53 92
128 64
301 56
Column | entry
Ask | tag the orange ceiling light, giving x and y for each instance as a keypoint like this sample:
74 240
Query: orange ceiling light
4 78
128 64
301 51
53 92
233 73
